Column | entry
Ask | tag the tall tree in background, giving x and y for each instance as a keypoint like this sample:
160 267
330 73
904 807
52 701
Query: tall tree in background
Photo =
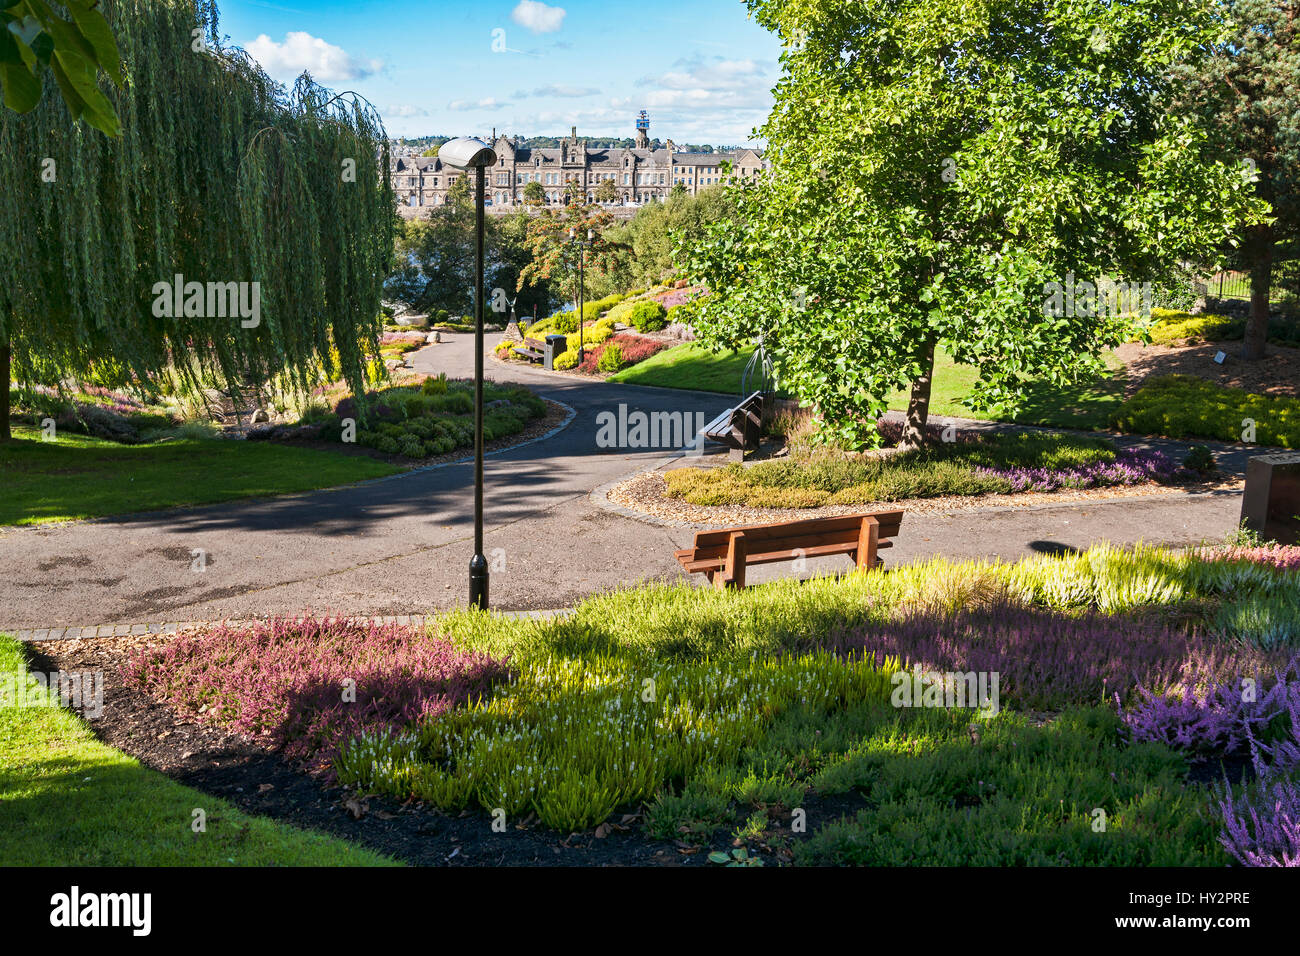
554 256
435 255
218 177
1248 94
937 168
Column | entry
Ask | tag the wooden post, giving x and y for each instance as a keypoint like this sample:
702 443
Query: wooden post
868 542
734 575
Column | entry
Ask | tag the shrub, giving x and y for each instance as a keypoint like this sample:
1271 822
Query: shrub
611 358
647 317
1171 326
1200 460
1178 406
566 361
435 386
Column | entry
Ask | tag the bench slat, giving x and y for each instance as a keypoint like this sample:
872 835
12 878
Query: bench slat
694 564
890 522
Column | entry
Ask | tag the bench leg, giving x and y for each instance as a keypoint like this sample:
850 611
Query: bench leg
868 542
734 574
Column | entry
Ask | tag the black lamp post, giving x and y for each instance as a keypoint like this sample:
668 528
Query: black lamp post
469 153
573 234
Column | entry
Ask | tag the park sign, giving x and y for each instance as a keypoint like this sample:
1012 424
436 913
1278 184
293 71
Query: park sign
1271 503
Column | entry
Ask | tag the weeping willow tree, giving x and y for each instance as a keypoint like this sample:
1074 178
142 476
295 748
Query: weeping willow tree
219 176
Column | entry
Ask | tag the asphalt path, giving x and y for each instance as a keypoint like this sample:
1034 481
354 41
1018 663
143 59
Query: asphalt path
402 545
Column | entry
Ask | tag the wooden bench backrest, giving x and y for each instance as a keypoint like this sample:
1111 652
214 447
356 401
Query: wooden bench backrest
838 530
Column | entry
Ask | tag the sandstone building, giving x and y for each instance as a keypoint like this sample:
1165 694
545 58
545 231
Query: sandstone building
641 174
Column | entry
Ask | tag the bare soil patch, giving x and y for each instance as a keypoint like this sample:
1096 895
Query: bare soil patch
1278 373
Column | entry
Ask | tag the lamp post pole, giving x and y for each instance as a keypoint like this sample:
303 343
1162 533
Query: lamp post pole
478 566
468 153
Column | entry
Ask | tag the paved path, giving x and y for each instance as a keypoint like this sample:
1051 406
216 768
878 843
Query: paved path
401 546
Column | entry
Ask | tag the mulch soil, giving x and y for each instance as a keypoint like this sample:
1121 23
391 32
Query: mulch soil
259 781
1277 374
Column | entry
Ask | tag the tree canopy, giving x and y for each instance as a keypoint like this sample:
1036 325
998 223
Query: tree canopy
220 177
937 170
1247 93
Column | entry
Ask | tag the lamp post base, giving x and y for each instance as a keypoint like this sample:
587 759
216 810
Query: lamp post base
478 582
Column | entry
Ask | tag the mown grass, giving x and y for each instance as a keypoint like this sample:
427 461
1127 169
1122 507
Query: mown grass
689 366
78 476
829 478
1087 404
68 800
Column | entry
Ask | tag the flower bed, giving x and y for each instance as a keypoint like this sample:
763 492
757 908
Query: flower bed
308 686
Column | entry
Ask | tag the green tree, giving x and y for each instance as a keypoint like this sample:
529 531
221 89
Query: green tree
220 177
75 49
937 167
436 258
534 192
1248 94
654 232
606 191
554 255
435 255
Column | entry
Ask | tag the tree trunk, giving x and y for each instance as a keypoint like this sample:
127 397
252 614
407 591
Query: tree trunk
918 406
1261 280
5 433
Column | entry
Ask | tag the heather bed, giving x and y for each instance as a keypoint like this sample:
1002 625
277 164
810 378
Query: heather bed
731 710
972 465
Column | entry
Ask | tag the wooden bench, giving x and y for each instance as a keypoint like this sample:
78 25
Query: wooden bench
738 428
723 555
532 349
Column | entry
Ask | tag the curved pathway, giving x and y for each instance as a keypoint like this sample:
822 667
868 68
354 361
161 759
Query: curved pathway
402 545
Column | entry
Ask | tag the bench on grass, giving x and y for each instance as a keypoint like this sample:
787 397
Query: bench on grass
531 349
738 428
723 555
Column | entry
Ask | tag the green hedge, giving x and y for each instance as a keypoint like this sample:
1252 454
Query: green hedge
1178 406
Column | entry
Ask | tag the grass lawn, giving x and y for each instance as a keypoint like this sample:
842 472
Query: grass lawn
82 477
1083 405
68 800
1087 404
689 366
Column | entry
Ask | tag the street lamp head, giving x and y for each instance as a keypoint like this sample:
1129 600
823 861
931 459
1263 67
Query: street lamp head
467 153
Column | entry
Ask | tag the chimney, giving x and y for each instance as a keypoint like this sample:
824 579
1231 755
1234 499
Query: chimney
573 132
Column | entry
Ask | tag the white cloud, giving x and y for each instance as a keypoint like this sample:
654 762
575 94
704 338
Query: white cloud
718 74
538 17
301 51
565 91
404 111
490 103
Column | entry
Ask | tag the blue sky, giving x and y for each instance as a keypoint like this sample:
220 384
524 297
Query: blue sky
702 69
